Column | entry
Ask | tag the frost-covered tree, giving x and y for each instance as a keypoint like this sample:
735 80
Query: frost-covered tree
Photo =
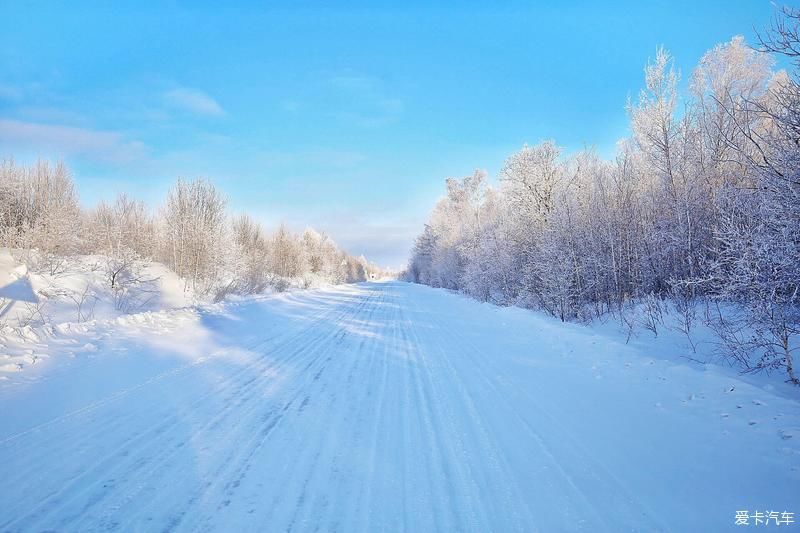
453 233
250 256
702 201
285 253
124 233
758 264
193 235
315 252
40 211
728 78
125 224
194 222
490 272
530 179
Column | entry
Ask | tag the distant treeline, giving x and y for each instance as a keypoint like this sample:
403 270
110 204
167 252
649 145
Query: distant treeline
192 233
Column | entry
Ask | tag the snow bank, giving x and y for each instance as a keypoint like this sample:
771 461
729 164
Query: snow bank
45 314
42 313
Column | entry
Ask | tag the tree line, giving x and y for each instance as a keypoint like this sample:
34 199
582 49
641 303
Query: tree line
700 204
192 233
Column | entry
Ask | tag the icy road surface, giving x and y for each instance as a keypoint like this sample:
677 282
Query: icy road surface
386 407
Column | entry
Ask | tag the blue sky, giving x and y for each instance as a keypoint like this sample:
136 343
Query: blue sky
347 119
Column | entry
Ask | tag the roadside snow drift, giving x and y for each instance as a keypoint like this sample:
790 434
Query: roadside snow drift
39 309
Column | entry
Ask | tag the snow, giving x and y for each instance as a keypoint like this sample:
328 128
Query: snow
383 406
39 310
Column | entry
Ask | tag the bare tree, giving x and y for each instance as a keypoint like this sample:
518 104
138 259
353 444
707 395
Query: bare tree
194 222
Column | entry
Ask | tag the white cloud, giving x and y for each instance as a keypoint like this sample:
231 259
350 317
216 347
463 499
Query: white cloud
46 114
194 101
68 140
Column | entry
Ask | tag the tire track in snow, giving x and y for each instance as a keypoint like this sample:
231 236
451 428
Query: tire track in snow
174 372
312 347
335 508
460 489
374 413
230 379
380 377
322 463
149 439
156 436
568 458
310 375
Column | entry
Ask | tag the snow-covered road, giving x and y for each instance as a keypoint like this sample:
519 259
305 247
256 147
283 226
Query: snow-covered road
386 407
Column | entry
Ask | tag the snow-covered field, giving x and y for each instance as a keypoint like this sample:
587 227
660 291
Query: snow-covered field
384 406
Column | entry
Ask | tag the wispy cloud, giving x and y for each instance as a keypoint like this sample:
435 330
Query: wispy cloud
50 115
195 101
68 140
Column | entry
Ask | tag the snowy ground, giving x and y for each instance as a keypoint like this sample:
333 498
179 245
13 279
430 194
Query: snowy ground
385 406
40 311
